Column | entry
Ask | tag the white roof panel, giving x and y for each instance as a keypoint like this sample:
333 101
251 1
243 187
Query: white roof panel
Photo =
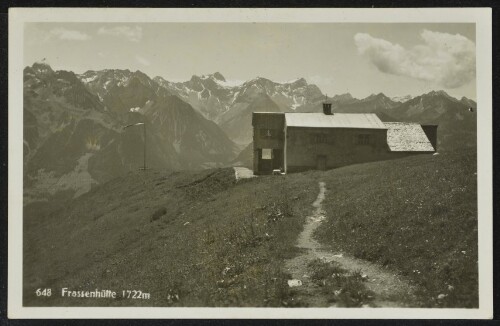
407 137
336 120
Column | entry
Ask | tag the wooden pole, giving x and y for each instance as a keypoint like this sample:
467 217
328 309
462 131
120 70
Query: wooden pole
144 145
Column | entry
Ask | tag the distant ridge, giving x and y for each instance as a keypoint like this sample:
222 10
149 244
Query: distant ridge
73 122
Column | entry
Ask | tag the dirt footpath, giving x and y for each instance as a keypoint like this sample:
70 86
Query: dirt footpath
390 290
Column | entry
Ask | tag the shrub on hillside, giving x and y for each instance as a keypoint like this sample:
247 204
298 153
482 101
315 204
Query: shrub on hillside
158 213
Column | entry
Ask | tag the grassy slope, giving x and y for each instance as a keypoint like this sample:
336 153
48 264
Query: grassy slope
417 215
229 254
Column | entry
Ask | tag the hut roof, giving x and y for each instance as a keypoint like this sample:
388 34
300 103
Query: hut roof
407 137
336 120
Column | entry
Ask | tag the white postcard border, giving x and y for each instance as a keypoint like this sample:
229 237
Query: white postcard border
480 16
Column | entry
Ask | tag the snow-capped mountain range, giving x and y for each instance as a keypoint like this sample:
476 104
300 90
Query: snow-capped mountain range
75 136
213 96
230 105
73 123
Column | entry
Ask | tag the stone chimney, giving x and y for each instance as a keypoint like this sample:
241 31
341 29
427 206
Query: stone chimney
327 108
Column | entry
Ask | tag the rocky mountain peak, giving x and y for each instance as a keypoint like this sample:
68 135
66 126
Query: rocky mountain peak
195 79
42 68
379 96
439 93
345 95
159 79
217 75
300 82
140 74
261 81
468 102
342 97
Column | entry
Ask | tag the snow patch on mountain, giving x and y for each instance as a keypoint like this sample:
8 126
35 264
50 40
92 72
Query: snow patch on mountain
230 83
402 99
89 79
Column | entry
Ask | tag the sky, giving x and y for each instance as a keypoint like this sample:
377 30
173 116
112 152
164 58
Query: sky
396 59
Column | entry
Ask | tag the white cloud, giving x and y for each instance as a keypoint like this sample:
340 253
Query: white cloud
68 34
133 34
445 59
143 61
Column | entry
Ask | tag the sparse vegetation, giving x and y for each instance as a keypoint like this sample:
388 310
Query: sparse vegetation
342 287
157 214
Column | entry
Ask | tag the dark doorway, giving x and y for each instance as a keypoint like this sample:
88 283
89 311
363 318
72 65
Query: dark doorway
277 159
265 160
270 159
321 162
